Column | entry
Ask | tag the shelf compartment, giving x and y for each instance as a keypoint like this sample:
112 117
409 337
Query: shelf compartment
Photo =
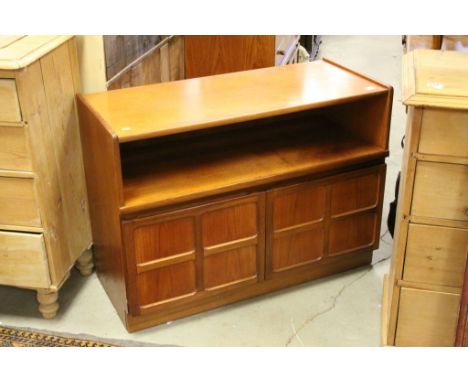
156 174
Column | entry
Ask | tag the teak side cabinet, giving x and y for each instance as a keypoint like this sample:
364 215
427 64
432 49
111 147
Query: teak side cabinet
211 190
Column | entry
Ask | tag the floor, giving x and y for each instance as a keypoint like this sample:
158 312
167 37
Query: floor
342 310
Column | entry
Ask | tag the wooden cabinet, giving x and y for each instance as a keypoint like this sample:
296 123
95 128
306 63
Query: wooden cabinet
44 220
201 196
422 295
216 54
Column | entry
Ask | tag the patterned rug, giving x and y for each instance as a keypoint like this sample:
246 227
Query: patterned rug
16 337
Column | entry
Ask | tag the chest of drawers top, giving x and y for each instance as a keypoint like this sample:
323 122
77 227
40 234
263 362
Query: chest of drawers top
433 78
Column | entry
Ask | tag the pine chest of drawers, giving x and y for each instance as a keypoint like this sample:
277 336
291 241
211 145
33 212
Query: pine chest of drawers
422 291
44 219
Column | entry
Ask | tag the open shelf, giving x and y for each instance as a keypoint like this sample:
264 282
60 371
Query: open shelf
186 167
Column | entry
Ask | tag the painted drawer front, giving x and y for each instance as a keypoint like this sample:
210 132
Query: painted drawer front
444 132
176 255
309 222
23 260
435 255
427 318
440 191
9 105
14 153
17 202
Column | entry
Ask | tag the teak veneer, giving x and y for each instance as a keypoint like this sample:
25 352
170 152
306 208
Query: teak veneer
211 190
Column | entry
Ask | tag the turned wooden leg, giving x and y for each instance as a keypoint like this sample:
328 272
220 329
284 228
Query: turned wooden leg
85 264
48 304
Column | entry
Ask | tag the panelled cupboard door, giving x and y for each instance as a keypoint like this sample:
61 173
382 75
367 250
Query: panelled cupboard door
312 221
176 255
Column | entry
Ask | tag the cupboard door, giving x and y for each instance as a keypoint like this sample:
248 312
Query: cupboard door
161 258
174 256
310 222
233 243
296 234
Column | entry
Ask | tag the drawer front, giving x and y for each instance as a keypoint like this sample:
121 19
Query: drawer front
23 260
441 191
444 132
14 153
193 252
427 318
309 222
9 105
435 255
17 202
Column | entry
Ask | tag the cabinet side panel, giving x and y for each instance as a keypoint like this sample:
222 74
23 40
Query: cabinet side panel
103 179
59 85
47 183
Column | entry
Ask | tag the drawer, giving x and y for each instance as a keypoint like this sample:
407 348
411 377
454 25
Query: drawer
9 105
444 132
440 191
23 260
17 202
435 255
427 318
14 153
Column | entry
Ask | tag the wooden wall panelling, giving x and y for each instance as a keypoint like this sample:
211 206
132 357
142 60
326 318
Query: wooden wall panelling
122 50
176 58
60 89
102 161
162 64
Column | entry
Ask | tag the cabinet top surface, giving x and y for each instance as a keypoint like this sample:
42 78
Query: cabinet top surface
436 78
16 52
172 107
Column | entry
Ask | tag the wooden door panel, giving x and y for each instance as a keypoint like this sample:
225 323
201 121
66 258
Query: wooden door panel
229 224
168 283
354 194
298 206
298 249
168 238
233 242
230 267
352 233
